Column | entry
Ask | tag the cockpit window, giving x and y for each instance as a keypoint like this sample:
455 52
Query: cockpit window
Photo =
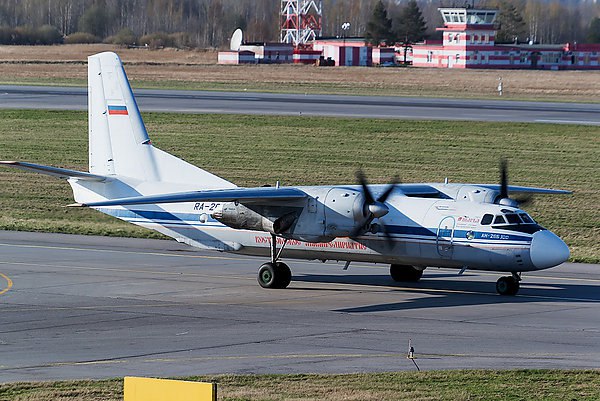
519 222
487 219
513 218
526 219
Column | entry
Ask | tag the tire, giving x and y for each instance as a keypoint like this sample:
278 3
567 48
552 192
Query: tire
402 273
276 275
266 276
284 273
507 285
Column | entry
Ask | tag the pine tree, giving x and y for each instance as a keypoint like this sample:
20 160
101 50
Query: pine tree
410 24
511 23
379 27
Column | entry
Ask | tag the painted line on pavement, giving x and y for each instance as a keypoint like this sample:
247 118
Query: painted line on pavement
9 283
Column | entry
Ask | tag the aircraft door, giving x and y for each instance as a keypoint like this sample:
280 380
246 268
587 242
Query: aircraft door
445 237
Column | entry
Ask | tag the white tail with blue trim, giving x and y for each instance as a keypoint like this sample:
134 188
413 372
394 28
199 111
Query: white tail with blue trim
119 142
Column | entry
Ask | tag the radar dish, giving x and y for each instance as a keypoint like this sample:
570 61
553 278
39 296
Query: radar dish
236 40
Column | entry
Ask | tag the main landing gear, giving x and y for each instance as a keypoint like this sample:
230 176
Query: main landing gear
275 274
508 285
405 273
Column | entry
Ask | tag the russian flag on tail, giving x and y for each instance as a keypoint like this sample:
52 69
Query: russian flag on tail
117 110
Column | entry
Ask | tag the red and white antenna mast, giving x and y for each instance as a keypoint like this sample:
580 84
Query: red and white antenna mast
300 21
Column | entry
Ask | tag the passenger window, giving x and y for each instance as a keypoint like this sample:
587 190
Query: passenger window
499 220
526 218
513 218
487 219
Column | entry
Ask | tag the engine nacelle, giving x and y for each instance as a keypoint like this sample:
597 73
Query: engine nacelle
473 193
345 211
269 219
328 213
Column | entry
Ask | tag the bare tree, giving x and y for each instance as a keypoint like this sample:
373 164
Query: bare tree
211 22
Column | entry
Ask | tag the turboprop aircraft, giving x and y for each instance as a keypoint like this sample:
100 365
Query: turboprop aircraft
409 226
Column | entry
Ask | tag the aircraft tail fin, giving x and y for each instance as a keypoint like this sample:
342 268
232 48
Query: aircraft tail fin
118 141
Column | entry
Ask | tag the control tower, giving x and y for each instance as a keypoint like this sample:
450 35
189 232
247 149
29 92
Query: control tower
300 21
468 27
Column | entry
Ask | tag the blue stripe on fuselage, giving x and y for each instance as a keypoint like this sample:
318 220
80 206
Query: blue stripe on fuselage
193 219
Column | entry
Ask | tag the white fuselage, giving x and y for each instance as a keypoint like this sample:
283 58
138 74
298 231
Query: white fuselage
423 231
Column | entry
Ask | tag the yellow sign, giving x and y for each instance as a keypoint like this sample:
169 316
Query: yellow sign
145 389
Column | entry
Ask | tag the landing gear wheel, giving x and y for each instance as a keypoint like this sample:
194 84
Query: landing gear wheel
266 275
405 273
507 285
285 274
274 275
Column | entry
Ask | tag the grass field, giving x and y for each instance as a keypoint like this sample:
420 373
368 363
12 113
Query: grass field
258 150
190 69
425 386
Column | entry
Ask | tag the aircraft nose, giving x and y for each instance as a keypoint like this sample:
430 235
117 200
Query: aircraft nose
547 250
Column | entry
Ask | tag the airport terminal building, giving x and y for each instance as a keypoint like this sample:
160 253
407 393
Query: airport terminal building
469 42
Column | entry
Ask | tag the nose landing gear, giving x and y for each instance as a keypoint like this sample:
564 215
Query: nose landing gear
275 274
508 285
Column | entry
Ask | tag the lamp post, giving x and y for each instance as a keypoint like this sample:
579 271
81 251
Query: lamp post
345 27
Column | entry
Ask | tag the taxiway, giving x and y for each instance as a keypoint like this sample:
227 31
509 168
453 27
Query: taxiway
93 307
73 98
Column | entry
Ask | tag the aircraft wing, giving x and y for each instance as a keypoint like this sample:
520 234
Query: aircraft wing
526 190
261 195
54 171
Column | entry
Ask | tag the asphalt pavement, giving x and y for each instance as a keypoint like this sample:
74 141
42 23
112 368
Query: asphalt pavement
73 98
94 307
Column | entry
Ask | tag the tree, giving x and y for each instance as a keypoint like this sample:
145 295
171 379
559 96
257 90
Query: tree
95 21
512 25
379 27
593 35
48 35
410 24
124 37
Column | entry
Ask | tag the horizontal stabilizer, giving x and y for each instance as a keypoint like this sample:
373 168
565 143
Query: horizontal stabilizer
262 195
54 171
526 190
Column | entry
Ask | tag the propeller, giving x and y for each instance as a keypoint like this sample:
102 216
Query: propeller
374 208
504 198
503 179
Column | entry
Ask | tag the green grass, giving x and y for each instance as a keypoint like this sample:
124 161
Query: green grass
436 385
307 87
350 88
257 150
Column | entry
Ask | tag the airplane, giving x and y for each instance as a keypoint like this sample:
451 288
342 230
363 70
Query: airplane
408 226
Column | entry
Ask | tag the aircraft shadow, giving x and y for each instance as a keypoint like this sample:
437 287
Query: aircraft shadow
455 292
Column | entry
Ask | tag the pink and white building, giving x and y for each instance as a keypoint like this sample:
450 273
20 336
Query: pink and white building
469 42
270 53
236 57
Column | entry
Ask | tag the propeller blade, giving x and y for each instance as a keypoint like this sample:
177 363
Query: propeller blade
503 179
388 237
373 209
524 200
395 181
363 182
